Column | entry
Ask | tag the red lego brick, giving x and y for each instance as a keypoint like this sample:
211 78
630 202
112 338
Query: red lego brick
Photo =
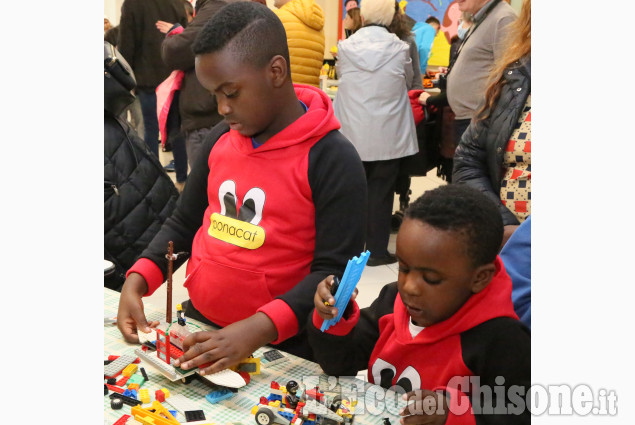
159 396
122 381
122 420
115 389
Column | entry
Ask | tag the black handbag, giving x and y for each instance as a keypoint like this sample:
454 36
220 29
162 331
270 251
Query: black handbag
119 81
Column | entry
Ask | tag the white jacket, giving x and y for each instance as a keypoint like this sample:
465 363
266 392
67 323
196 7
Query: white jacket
372 102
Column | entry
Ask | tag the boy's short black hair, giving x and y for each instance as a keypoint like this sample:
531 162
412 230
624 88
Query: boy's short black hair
433 19
251 30
463 209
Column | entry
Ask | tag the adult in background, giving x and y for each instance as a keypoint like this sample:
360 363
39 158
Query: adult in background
140 43
372 105
352 21
197 106
495 152
303 22
481 47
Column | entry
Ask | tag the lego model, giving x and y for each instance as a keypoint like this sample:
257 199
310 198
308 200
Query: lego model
352 274
283 406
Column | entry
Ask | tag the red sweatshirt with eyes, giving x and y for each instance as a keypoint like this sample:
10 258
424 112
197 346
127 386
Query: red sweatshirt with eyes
482 339
265 225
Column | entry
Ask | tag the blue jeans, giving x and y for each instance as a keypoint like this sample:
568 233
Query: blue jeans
148 99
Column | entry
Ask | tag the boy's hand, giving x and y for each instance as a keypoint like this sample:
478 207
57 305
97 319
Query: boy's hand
228 346
130 316
427 407
322 295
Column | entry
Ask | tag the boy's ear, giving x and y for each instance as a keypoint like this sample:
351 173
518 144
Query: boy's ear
482 277
279 70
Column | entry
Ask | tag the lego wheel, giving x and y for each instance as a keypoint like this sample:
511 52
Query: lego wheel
116 403
264 416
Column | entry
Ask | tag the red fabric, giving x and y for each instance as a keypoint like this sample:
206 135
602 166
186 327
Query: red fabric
165 93
150 272
283 317
417 108
341 328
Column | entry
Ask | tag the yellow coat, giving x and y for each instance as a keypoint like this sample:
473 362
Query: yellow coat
303 21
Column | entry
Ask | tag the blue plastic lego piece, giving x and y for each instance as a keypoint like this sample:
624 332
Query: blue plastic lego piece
173 413
274 397
349 281
286 415
219 395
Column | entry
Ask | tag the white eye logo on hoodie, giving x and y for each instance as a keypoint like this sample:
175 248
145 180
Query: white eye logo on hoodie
383 374
239 226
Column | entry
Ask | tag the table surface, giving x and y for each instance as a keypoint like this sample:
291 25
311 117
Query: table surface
374 403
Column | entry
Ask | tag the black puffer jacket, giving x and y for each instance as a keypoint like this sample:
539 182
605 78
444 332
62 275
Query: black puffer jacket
197 106
140 40
138 197
478 160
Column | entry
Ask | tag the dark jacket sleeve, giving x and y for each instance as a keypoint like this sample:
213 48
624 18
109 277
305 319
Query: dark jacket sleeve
128 32
471 166
338 184
348 354
498 352
176 50
187 218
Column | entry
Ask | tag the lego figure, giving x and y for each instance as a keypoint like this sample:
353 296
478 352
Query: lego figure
180 315
291 398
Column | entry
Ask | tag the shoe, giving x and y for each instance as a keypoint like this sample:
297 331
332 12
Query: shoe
380 261
170 167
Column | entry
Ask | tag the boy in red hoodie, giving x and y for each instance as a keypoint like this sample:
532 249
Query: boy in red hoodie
446 330
273 205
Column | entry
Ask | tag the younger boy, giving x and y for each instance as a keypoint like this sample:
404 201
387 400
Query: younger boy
273 205
447 320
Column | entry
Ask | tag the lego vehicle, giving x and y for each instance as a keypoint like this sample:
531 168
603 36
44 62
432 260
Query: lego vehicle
311 408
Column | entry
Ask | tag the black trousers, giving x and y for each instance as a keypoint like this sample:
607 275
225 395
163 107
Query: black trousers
381 177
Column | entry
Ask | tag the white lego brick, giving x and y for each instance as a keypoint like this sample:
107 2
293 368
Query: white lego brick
182 403
226 378
118 364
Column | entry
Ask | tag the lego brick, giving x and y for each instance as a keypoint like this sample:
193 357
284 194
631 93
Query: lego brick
148 417
133 386
159 395
122 420
122 381
127 400
166 392
352 274
182 403
226 378
115 389
129 370
136 379
144 396
194 415
118 365
272 357
143 373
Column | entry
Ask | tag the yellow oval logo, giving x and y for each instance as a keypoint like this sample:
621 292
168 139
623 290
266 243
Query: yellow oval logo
236 232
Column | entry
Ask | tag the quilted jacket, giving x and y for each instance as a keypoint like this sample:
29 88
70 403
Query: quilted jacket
303 21
138 197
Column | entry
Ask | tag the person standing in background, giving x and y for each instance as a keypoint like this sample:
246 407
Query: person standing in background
481 47
372 104
140 44
197 107
303 22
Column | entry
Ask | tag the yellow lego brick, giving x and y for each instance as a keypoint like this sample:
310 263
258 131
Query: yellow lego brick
254 409
129 370
146 417
274 403
144 396
166 392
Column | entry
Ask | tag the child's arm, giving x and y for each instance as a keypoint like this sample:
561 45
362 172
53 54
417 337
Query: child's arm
338 184
345 348
149 272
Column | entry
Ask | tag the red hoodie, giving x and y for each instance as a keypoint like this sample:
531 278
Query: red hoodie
456 347
257 240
